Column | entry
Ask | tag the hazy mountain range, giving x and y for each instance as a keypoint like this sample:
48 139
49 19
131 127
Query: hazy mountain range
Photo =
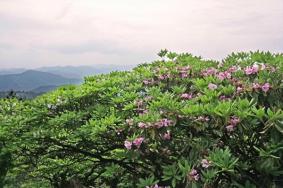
44 79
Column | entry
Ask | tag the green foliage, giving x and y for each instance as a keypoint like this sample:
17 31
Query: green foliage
177 122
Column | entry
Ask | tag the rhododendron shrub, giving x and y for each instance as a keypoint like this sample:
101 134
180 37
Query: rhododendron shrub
177 122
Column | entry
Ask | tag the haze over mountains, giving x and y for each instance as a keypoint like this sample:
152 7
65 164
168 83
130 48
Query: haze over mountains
44 79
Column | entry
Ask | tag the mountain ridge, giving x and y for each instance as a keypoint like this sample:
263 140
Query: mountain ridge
32 79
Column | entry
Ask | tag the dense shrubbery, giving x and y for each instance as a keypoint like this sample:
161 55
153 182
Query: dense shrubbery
178 122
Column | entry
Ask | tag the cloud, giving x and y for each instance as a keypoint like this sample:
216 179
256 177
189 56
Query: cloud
103 47
61 32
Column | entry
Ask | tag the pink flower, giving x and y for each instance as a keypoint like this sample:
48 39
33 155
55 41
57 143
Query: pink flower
163 123
161 77
141 125
183 69
209 71
167 135
139 103
146 82
222 97
212 86
251 70
166 122
194 175
248 70
256 86
184 75
230 128
138 141
239 89
233 69
164 76
203 119
159 124
205 163
186 96
265 87
130 122
221 76
234 120
128 144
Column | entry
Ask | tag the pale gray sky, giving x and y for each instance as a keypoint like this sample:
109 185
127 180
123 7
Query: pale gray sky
36 33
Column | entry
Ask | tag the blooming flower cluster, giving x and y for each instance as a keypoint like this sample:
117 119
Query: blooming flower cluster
202 118
232 123
256 67
209 72
223 97
205 163
141 107
148 82
159 124
252 69
193 175
183 71
186 96
212 86
167 135
264 87
137 142
223 75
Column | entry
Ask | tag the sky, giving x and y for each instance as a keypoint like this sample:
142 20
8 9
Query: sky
36 33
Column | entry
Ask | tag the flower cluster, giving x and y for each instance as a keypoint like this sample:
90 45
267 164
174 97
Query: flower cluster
209 72
252 69
264 87
183 71
167 135
148 81
223 75
193 175
205 163
159 124
137 142
232 123
256 67
186 96
212 86
202 118
141 109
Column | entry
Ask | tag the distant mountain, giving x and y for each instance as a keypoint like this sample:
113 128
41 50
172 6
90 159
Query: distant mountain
31 79
31 83
12 71
82 71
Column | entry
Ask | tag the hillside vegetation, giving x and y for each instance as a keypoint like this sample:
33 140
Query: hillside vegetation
180 121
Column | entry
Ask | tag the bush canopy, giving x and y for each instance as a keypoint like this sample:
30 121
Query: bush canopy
180 121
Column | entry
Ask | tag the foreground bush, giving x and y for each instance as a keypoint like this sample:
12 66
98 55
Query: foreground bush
178 122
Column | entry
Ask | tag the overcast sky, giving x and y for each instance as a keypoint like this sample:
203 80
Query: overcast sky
36 33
